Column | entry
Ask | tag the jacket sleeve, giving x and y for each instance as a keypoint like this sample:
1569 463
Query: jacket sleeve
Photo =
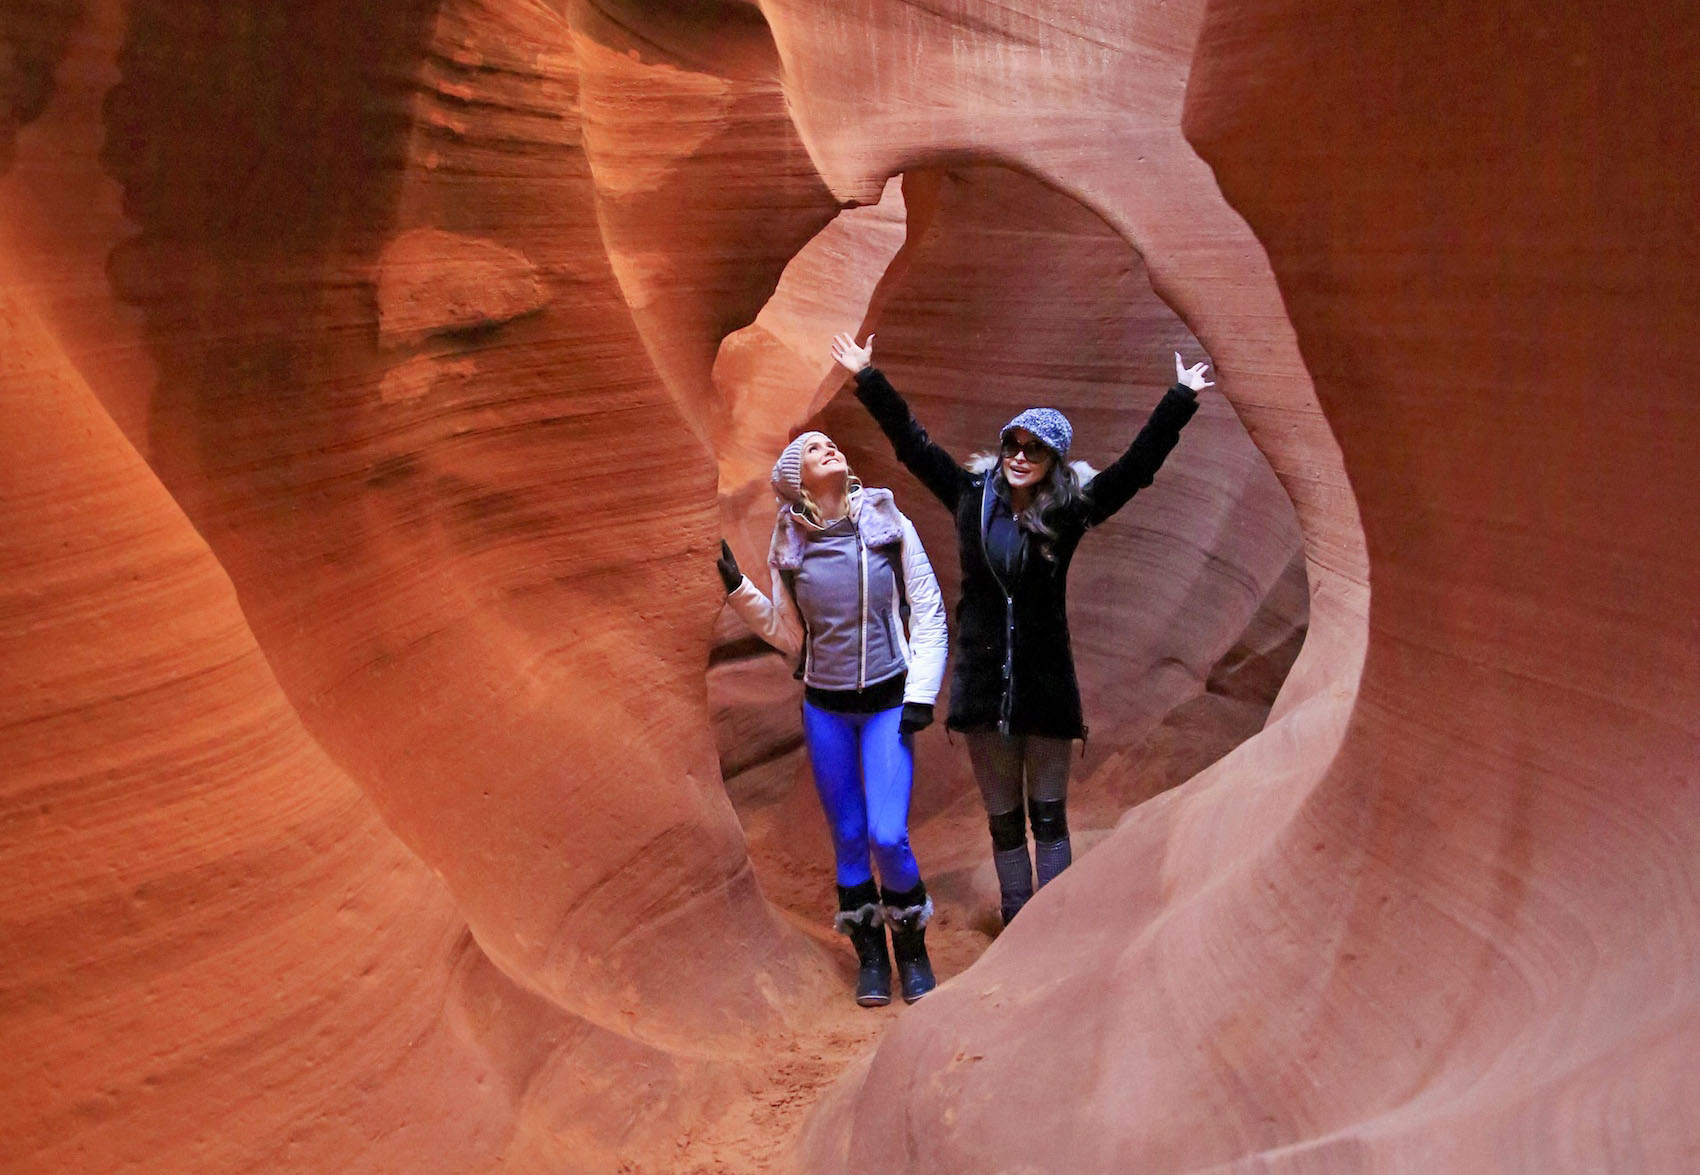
775 620
936 469
1135 469
929 639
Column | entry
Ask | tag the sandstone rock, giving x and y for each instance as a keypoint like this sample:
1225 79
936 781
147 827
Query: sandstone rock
1432 924
216 955
362 808
436 283
399 559
703 190
485 594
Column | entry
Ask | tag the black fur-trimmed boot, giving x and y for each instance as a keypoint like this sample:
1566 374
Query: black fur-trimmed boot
859 916
908 914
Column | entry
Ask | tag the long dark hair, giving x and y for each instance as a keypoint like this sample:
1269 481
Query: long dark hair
1059 491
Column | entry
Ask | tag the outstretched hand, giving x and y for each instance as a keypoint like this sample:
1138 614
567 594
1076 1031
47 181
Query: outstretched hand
1191 377
849 355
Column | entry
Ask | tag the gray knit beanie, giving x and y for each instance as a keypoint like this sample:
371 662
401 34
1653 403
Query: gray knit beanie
787 479
1047 424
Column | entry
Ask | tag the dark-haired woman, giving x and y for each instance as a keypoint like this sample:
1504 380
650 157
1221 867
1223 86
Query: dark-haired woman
1019 516
844 569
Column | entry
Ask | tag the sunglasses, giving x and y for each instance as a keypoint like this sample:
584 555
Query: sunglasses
1035 450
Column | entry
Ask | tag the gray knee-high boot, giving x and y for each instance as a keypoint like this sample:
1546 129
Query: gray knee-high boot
1009 857
1051 857
1051 852
1015 879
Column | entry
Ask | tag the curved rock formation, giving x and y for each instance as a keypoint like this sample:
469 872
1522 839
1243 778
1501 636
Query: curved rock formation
218 958
378 381
341 278
472 534
430 375
1464 940
216 955
703 191
1009 294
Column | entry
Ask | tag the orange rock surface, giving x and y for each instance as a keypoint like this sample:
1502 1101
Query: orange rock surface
1444 924
217 957
378 381
368 338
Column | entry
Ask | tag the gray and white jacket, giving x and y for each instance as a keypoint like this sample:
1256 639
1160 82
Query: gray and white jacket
835 599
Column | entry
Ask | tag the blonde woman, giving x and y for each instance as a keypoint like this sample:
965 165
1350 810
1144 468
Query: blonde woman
844 568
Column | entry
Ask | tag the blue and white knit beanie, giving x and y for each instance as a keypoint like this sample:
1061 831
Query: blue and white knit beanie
787 479
1047 424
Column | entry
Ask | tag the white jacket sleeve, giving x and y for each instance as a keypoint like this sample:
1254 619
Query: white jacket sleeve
775 620
929 639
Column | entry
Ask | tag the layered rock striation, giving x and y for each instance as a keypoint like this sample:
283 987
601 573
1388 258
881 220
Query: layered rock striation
379 380
1439 923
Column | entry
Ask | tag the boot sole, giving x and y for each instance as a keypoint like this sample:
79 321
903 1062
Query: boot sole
873 1001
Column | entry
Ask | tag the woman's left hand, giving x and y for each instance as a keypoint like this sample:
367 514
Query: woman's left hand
1191 377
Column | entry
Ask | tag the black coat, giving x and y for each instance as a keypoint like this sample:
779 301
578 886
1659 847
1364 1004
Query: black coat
1013 665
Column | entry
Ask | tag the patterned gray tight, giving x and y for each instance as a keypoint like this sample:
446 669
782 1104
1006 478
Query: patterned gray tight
1007 768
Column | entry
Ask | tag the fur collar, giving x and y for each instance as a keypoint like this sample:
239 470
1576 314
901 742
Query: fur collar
874 512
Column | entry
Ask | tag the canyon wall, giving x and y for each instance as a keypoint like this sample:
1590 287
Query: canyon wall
379 380
216 955
1463 941
987 292
362 806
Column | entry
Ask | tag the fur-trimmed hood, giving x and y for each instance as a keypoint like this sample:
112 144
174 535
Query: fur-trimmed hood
873 511
986 462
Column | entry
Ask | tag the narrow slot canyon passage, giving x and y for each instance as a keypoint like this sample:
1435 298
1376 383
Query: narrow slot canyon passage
1188 608
385 787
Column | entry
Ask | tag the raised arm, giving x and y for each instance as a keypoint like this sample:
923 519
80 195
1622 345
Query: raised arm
936 469
1136 468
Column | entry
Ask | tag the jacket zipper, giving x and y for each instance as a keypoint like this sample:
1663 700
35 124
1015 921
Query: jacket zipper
862 611
1007 704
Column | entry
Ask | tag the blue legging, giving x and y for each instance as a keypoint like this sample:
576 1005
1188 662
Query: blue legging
864 772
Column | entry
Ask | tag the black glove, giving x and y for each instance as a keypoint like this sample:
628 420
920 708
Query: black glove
916 716
728 568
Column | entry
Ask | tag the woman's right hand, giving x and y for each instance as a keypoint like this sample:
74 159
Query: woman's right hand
849 355
916 716
728 568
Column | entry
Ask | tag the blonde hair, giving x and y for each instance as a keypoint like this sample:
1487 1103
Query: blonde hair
811 511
